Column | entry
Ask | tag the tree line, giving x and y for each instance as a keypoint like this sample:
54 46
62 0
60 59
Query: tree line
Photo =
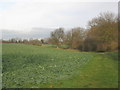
101 35
25 41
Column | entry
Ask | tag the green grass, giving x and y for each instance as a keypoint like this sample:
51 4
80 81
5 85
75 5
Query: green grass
60 46
42 67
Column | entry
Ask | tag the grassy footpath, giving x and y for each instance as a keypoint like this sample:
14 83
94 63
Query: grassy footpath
27 66
101 72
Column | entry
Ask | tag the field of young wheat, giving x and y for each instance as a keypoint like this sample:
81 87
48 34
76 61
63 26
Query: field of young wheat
28 66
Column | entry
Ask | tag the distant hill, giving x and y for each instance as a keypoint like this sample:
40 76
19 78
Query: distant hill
33 33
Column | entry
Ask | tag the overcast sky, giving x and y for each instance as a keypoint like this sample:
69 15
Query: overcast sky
23 15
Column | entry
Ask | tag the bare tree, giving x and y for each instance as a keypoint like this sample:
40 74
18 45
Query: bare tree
57 36
74 38
103 32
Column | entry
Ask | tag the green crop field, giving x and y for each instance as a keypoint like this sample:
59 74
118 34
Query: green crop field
29 66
